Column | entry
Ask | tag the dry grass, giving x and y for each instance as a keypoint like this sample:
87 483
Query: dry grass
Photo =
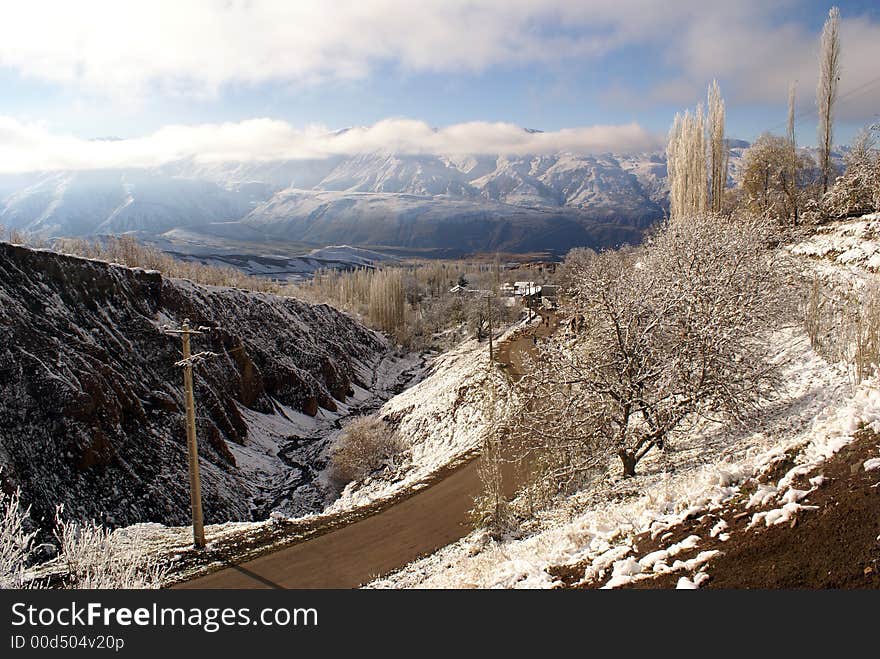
843 324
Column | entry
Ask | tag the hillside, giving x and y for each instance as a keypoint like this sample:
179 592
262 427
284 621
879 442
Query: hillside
91 407
787 499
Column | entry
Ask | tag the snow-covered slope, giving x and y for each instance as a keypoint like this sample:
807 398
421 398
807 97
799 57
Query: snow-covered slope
768 467
116 201
814 416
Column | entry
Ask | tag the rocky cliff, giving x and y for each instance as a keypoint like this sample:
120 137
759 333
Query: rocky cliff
91 404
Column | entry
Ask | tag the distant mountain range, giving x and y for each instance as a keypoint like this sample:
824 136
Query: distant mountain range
457 205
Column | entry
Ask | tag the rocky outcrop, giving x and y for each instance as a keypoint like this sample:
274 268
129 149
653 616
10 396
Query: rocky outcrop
91 407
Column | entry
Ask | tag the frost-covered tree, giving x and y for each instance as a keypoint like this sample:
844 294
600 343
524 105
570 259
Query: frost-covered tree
697 157
718 150
686 164
857 190
826 91
668 332
775 178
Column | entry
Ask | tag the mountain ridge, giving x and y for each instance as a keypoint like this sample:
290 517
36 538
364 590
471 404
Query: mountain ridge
477 203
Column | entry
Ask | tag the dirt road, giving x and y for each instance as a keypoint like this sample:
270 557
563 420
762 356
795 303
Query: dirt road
357 553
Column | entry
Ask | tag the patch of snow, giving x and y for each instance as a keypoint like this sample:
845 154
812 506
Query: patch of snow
684 583
718 528
873 463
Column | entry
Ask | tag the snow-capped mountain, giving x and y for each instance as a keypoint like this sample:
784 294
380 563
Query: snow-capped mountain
464 203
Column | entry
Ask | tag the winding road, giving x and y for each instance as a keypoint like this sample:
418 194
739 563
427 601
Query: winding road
371 547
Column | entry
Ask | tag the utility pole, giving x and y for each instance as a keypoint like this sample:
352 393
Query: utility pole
489 313
529 301
195 486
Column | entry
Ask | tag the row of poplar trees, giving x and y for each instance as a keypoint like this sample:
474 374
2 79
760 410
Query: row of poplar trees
697 152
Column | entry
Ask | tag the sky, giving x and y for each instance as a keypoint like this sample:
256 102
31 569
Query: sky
239 79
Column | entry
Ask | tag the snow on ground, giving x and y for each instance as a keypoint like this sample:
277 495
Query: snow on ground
442 419
815 415
258 457
849 245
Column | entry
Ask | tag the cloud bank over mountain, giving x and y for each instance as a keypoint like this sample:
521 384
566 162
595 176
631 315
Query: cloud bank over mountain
32 147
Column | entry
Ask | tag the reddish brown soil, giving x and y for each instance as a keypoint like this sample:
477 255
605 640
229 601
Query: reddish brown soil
836 546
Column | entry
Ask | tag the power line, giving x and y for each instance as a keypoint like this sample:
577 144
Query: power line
813 112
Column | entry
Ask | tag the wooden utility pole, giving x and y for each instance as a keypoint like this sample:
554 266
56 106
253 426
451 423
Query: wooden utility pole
195 486
489 313
529 301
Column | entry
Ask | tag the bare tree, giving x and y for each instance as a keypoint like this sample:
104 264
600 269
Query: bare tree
826 92
686 164
673 330
718 150
491 509
775 178
792 159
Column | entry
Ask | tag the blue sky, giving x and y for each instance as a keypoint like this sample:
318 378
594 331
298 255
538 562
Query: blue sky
96 69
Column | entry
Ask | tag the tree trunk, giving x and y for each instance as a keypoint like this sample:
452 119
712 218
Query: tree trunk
628 459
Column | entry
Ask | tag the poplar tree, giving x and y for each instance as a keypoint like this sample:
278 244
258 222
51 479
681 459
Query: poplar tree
718 151
826 92
686 164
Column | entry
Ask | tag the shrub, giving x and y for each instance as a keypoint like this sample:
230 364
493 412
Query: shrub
367 444
16 541
92 560
88 556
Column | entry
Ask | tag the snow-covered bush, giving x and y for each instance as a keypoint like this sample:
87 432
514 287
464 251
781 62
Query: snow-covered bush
88 556
92 560
843 324
367 444
499 447
857 191
16 541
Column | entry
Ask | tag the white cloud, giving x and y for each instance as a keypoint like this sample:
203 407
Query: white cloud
760 61
126 48
31 147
